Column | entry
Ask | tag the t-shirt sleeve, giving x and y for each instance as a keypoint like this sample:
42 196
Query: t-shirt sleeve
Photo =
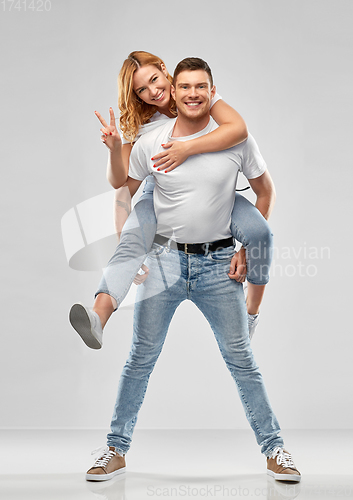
253 164
155 121
123 140
216 98
138 165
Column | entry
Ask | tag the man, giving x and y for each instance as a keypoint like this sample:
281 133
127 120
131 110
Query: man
191 261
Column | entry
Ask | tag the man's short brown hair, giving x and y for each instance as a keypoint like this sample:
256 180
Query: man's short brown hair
192 64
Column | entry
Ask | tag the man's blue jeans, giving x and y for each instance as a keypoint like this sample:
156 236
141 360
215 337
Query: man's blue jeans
174 277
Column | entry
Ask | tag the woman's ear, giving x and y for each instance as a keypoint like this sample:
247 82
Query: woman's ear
164 70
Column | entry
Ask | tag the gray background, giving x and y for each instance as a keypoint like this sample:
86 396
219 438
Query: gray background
286 67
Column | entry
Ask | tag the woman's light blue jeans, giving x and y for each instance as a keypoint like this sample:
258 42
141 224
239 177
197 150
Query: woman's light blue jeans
174 277
248 227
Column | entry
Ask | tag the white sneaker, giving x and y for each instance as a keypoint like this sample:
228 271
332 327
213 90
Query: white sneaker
253 319
87 324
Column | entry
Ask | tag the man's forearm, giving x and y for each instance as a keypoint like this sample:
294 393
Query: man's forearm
116 171
266 203
265 192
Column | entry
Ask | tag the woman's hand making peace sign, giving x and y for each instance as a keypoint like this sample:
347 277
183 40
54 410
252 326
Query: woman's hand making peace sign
110 135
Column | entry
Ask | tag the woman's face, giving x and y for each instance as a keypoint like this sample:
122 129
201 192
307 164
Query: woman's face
152 86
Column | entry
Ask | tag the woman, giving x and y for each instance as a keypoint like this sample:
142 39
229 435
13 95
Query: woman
145 102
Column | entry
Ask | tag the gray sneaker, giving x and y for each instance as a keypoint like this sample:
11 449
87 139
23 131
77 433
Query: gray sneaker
87 324
253 321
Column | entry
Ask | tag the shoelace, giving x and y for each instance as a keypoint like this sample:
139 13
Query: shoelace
283 458
105 455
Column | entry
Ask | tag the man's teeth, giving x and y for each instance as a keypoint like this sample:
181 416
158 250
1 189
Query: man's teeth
192 103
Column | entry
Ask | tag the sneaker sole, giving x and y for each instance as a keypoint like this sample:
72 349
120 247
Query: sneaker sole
284 477
104 477
80 321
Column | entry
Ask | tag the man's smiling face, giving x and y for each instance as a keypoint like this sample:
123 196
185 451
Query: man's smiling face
193 93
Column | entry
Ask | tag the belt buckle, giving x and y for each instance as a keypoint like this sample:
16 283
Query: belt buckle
186 249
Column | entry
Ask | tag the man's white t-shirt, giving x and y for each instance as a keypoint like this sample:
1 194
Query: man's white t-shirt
195 200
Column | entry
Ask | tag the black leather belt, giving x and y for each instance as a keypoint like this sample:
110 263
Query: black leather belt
200 248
